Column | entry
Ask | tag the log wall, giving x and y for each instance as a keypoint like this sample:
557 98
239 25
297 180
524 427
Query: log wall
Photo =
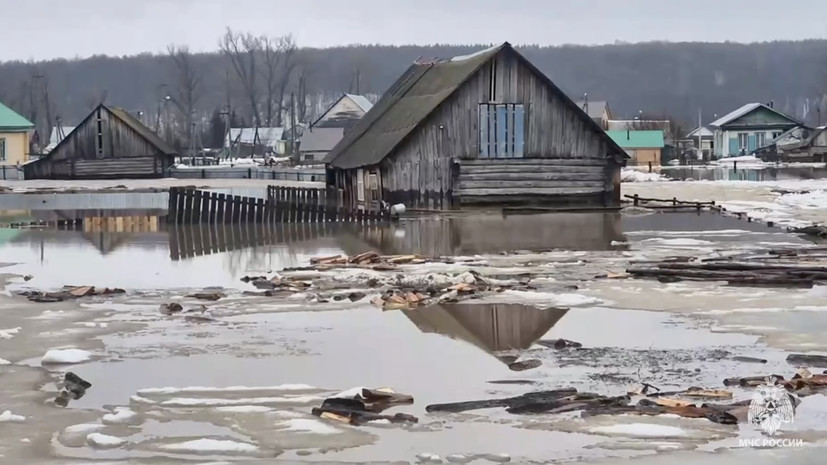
421 172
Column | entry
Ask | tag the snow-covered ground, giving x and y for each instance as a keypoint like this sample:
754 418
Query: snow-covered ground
786 203
634 175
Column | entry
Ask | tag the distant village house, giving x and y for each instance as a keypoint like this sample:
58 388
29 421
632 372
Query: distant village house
110 143
748 128
15 133
248 142
598 111
643 147
486 128
324 133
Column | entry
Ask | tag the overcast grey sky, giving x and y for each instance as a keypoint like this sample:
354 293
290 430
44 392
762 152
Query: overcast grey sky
40 29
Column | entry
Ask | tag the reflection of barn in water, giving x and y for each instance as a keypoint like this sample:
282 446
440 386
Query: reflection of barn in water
489 233
494 328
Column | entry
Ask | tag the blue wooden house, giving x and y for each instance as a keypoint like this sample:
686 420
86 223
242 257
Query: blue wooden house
748 128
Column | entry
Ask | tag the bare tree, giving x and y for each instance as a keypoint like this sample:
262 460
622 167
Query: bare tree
187 89
243 52
303 103
280 62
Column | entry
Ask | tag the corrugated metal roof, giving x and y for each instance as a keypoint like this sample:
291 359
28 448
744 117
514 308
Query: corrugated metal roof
11 120
321 139
411 99
594 109
267 137
638 139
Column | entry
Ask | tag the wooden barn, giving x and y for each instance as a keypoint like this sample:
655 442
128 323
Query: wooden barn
110 143
487 128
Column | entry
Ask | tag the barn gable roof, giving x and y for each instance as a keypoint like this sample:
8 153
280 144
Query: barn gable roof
417 94
133 123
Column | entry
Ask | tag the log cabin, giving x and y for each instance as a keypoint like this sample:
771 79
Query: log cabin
482 129
109 144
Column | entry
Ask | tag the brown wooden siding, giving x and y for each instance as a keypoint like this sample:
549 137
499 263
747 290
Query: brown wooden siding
103 146
420 172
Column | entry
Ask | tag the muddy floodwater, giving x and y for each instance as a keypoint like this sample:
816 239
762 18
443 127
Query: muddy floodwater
234 380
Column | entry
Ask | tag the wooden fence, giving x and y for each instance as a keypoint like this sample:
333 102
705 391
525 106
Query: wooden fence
282 205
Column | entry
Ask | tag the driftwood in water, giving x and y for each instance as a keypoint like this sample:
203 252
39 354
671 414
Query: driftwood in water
733 272
541 396
818 361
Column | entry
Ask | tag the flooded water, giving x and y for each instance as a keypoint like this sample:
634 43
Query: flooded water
744 173
234 380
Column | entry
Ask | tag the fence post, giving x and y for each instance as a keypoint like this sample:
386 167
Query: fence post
172 209
650 166
637 200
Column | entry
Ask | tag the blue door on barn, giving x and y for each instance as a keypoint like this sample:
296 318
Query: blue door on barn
501 130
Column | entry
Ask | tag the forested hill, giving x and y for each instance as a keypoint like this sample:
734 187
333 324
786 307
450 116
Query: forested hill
660 79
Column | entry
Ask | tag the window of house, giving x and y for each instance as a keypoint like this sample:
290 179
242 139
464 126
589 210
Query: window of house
2 149
373 186
360 185
760 139
775 135
743 140
308 157
502 130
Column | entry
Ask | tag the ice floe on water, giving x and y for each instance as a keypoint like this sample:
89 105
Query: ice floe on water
306 425
210 446
65 357
121 416
645 430
104 441
3 361
8 417
677 242
222 402
542 299
217 390
9 333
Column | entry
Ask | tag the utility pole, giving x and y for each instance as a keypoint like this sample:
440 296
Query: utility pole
293 152
229 116
700 129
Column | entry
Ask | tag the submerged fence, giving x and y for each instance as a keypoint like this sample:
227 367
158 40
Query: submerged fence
282 205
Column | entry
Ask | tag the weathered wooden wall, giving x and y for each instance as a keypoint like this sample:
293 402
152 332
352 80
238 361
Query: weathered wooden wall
102 146
420 172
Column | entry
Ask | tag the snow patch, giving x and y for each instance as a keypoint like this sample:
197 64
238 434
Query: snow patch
121 416
3 361
642 430
104 441
304 425
65 356
8 417
9 333
628 175
210 446
544 299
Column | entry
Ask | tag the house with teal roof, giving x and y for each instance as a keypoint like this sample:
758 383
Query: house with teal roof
15 133
643 147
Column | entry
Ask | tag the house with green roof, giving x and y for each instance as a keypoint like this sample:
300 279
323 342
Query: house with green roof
643 147
15 132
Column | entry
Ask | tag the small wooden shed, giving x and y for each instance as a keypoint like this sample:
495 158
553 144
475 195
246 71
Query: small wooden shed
487 128
109 144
